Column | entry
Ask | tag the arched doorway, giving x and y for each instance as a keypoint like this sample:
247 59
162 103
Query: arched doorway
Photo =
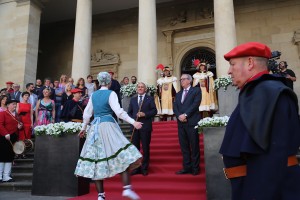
204 54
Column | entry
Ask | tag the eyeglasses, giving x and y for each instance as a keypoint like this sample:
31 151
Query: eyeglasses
183 79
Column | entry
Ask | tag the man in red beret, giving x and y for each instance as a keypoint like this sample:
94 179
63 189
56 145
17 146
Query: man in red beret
263 134
73 109
9 88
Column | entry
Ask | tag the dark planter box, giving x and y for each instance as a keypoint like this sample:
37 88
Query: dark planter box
55 159
217 186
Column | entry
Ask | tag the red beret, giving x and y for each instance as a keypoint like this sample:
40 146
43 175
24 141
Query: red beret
110 72
76 90
9 82
249 49
196 62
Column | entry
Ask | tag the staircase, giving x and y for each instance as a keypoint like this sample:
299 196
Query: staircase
22 170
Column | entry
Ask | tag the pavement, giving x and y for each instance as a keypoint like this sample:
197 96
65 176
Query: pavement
14 195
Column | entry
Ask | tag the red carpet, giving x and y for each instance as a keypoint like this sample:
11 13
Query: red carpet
162 183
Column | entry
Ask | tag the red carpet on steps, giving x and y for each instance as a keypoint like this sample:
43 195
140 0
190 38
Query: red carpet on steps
162 183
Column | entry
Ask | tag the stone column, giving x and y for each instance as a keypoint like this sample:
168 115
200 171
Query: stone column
19 41
147 42
82 40
225 40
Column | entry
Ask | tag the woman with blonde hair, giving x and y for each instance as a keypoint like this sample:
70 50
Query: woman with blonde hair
63 81
67 95
45 109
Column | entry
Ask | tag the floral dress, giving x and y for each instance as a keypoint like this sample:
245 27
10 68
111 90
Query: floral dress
45 112
106 152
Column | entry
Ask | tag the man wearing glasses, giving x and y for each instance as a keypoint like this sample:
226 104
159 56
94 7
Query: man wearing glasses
186 109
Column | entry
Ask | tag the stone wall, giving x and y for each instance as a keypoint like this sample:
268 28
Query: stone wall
180 28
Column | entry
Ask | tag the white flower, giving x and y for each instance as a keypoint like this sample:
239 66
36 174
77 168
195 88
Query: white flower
58 129
212 122
223 81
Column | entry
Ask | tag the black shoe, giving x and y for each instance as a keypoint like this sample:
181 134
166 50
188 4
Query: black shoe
196 172
145 172
135 172
183 171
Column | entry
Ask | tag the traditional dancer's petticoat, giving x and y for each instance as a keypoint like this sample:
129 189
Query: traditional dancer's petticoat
106 152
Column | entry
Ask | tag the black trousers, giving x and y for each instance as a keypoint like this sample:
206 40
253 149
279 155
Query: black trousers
6 150
143 137
189 145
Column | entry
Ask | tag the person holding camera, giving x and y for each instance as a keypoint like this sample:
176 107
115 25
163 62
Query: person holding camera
288 74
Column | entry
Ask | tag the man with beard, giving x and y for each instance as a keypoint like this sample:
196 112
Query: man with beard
133 79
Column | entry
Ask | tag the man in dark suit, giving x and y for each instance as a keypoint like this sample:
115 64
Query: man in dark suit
186 107
16 94
47 83
142 107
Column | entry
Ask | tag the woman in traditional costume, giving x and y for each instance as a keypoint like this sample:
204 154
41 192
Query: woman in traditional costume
9 126
205 80
106 151
167 91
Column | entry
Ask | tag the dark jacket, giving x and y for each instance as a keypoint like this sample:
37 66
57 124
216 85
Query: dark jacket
190 106
263 131
148 107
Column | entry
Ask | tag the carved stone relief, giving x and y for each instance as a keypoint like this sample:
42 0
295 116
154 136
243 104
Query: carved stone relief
180 18
104 58
205 13
104 61
296 40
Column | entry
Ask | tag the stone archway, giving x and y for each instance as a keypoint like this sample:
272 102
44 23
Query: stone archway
204 54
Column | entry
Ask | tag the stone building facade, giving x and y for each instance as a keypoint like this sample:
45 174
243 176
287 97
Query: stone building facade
184 30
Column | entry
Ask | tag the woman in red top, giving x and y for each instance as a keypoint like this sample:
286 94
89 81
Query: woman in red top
9 125
25 111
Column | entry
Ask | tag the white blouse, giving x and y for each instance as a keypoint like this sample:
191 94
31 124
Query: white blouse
113 103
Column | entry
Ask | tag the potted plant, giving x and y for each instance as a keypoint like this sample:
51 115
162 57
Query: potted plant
57 149
217 186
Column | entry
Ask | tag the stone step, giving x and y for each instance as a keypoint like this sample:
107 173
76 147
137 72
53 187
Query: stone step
16 186
21 176
24 168
28 160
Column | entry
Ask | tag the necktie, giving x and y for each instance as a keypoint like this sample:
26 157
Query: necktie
184 95
140 101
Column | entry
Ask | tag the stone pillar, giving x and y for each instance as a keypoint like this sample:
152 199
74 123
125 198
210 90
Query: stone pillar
82 40
225 34
19 41
225 40
147 42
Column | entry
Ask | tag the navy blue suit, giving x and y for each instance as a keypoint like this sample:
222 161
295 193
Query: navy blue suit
266 153
144 134
188 135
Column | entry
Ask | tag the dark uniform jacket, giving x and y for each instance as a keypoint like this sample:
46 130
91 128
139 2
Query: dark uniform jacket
263 131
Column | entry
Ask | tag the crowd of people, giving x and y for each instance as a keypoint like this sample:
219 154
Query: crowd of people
61 100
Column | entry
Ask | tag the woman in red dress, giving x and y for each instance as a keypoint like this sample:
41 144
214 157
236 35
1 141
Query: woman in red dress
25 111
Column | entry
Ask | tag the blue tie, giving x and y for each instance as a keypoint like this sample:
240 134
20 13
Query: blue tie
140 101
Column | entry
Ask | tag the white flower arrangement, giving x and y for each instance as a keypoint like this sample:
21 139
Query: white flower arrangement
130 89
58 129
212 122
223 81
